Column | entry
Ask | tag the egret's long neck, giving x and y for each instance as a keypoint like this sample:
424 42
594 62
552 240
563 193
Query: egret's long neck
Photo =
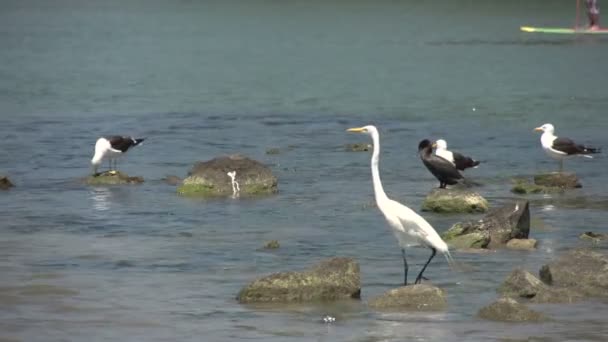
378 189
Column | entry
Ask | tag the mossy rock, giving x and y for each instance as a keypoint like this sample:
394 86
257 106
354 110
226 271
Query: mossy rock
331 279
457 238
273 150
420 297
272 244
593 237
525 187
5 183
113 178
210 178
522 244
509 310
454 201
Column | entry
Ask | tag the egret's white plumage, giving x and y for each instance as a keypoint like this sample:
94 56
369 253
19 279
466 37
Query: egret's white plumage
562 148
406 224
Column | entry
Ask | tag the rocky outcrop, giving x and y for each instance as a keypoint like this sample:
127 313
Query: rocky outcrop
524 187
593 237
583 271
420 297
5 183
211 178
522 284
563 180
454 201
522 244
500 225
509 310
113 178
332 279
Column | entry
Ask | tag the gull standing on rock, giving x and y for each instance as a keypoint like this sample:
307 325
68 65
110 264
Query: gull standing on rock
562 148
112 148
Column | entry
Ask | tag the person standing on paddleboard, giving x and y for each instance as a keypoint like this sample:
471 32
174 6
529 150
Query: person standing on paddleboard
593 11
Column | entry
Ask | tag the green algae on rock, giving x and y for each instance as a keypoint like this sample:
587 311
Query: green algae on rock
112 178
419 297
454 201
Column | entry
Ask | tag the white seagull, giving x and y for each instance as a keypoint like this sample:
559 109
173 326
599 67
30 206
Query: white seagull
562 148
461 162
111 148
406 224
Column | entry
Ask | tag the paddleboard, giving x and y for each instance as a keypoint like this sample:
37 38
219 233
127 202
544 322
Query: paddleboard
562 30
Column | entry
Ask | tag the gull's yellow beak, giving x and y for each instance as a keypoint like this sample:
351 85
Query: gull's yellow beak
356 129
434 145
538 129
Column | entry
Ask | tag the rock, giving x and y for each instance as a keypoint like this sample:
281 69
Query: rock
522 244
5 183
172 180
331 279
593 237
272 244
273 150
523 186
500 225
420 297
564 180
454 201
522 284
210 178
113 178
556 295
509 310
583 270
363 147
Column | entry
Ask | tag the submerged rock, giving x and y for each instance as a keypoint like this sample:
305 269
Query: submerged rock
210 178
500 225
521 283
5 183
331 279
273 150
583 271
524 187
362 147
113 178
454 201
593 237
172 180
509 310
420 297
563 180
522 244
272 244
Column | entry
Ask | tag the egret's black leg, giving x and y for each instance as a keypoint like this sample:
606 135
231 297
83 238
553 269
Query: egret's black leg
419 277
405 267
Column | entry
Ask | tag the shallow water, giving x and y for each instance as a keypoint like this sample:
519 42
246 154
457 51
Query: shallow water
201 79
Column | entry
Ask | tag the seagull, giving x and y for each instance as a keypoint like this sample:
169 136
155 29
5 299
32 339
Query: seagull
461 162
444 170
406 224
562 148
111 148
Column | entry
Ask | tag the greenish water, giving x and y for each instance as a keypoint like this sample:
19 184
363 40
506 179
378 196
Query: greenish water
206 78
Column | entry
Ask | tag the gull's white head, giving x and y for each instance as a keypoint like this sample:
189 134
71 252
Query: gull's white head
441 144
369 130
547 128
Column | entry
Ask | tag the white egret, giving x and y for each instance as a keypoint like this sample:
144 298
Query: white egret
561 148
406 224
111 148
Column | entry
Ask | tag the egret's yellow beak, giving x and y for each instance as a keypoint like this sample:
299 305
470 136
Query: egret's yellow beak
538 129
356 129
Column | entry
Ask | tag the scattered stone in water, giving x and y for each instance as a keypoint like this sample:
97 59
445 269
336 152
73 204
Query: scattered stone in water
5 183
272 244
593 237
273 150
362 147
420 297
564 180
522 244
509 310
511 221
521 283
329 319
210 178
124 263
331 279
185 234
454 201
524 187
113 178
